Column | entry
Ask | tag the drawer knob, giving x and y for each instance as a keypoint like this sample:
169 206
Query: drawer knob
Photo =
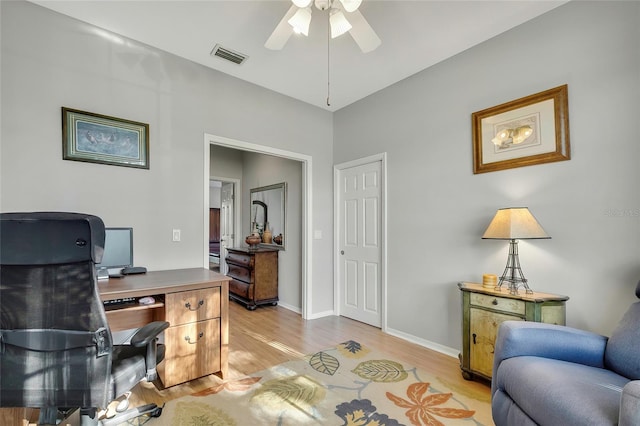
188 338
495 302
188 305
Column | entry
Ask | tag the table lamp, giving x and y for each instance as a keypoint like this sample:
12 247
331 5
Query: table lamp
514 223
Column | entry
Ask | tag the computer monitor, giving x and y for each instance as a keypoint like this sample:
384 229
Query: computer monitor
118 251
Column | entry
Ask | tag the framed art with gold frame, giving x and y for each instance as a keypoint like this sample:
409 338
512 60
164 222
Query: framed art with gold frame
526 131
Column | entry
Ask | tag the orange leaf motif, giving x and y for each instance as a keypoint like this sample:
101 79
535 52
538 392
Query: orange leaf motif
421 407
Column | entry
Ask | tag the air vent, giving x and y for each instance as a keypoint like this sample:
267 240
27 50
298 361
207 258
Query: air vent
229 55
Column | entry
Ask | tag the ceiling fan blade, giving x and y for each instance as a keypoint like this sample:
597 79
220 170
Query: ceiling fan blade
362 32
283 31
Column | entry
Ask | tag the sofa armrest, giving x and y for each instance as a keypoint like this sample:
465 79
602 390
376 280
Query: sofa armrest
630 404
526 338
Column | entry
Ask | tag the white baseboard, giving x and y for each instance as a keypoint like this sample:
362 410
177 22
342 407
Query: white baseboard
425 343
321 315
290 307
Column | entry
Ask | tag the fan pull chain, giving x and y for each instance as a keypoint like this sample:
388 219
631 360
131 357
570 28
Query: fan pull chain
328 57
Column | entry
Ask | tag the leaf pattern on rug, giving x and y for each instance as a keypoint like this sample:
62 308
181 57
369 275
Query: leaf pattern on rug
200 414
299 391
352 349
381 370
239 385
363 412
421 407
324 363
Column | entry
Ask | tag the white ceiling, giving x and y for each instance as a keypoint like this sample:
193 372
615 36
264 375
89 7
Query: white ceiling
415 35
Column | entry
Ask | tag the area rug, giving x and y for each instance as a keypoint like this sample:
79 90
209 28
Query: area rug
348 385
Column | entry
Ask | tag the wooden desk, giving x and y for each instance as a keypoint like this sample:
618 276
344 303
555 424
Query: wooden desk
194 301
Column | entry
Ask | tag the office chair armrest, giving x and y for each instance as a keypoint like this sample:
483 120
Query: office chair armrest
146 336
148 333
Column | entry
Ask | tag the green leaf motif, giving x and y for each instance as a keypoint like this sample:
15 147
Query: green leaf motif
381 370
294 391
324 363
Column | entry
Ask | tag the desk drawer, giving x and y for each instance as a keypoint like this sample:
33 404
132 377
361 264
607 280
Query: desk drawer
193 350
503 304
191 306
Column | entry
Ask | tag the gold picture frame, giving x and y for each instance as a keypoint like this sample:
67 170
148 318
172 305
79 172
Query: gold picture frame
527 131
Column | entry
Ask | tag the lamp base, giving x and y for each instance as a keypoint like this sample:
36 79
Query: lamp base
512 274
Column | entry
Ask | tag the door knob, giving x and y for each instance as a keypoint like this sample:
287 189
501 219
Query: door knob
342 252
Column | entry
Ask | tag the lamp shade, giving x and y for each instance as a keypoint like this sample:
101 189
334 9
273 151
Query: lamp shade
339 23
351 5
301 20
301 3
514 223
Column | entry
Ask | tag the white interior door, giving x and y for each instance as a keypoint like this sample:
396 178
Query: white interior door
227 214
360 246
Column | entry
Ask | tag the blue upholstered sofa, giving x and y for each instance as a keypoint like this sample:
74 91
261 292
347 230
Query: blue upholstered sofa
554 375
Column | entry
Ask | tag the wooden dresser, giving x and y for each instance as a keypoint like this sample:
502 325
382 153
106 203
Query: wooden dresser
483 310
193 301
254 274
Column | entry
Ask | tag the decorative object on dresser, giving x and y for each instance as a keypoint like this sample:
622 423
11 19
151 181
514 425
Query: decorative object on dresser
254 274
514 223
483 310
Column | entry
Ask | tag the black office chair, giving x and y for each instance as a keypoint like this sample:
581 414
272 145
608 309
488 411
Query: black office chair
56 350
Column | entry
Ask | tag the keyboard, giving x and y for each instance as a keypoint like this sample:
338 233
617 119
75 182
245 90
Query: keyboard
118 302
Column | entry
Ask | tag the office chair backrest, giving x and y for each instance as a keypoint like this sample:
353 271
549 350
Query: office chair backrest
55 345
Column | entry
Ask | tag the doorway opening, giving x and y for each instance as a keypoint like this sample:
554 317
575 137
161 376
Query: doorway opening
306 201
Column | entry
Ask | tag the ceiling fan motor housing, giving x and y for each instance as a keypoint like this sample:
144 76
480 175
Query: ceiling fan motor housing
323 4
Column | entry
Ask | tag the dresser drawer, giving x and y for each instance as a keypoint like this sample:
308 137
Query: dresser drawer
241 289
240 273
193 350
503 304
241 259
191 306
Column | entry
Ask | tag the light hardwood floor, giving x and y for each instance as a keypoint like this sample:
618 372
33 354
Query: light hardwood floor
271 335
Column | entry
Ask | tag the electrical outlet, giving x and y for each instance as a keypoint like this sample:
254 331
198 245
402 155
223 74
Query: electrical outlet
176 235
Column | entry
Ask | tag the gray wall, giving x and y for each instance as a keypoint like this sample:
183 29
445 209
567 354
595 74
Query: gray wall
263 170
438 209
50 60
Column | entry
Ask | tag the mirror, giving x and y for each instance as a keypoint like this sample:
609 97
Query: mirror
268 214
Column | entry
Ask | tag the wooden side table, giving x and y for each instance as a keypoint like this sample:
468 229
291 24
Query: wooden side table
483 310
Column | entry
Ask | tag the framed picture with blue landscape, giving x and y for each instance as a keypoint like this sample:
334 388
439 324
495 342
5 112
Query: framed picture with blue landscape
97 138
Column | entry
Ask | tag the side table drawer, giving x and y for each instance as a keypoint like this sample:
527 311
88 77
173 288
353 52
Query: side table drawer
193 350
191 306
503 304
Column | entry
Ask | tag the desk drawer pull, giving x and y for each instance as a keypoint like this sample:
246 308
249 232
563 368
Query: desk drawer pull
188 339
188 305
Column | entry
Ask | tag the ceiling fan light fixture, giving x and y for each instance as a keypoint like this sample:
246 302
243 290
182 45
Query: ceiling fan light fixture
351 5
301 3
339 23
301 21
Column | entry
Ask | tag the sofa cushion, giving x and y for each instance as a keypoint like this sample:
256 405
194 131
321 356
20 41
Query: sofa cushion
621 353
560 392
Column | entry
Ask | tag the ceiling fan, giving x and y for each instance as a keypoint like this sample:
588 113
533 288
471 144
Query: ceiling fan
343 17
